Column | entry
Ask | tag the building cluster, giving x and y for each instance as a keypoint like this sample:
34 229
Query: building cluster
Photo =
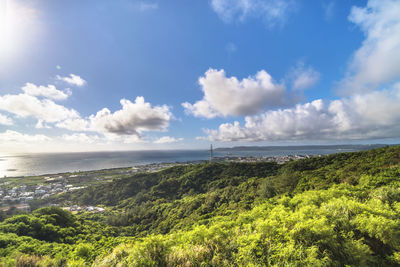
76 208
24 193
277 159
153 167
55 184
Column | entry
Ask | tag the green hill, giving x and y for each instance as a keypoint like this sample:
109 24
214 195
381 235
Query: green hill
334 210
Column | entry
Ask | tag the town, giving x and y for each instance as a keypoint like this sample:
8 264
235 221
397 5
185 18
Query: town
18 192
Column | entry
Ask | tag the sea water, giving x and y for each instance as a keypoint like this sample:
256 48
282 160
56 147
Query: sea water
49 163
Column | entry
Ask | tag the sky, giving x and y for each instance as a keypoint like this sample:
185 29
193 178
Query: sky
101 75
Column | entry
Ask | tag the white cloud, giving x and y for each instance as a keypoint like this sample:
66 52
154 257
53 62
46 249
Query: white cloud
272 12
74 124
40 125
50 91
227 96
72 79
24 105
112 138
368 116
16 137
200 109
44 110
369 112
132 119
4 120
128 139
303 77
107 138
167 140
80 138
377 61
124 125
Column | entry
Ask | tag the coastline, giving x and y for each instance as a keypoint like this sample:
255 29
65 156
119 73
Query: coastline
19 191
51 163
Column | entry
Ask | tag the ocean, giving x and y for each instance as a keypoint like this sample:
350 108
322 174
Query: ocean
50 163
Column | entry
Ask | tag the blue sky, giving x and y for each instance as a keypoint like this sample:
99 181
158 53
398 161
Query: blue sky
127 74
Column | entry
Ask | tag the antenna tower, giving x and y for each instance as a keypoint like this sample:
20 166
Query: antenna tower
211 153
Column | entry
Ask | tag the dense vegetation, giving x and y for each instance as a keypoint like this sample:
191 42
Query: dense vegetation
336 210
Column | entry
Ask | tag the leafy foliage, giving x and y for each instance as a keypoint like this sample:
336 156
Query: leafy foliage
335 210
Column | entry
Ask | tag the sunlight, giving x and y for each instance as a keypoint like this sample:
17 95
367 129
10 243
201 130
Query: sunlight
4 166
17 22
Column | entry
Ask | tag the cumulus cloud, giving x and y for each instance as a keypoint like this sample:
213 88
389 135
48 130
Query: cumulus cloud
303 77
72 80
167 140
24 105
368 111
200 109
377 61
227 96
132 119
272 12
125 125
44 109
372 115
49 92
4 120
17 137
122 126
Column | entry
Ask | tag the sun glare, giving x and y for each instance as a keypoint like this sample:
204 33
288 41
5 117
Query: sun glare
17 24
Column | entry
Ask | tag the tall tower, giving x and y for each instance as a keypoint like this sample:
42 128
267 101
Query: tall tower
211 153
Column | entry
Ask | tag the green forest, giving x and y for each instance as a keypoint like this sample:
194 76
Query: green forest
336 210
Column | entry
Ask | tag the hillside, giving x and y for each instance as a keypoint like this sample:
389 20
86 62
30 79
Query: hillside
341 209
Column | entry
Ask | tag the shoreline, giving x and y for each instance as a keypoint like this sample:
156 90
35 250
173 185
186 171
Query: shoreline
59 163
22 190
228 158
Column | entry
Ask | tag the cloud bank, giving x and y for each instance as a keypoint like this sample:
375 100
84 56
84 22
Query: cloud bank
80 138
15 137
227 96
25 105
372 115
124 125
368 111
